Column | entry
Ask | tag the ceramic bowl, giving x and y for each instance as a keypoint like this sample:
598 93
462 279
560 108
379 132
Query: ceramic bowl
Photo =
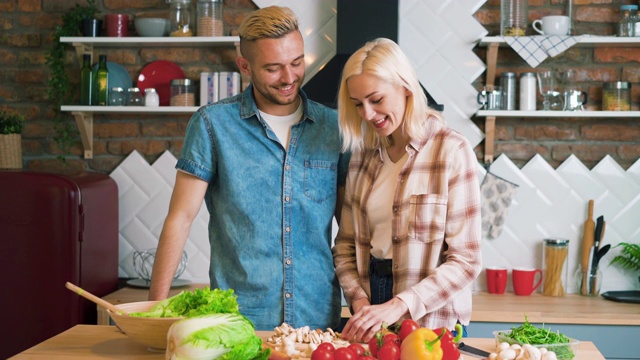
151 332
151 27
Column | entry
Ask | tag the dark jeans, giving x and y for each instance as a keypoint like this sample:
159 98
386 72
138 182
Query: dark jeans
381 279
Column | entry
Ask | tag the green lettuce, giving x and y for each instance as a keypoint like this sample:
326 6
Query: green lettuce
199 302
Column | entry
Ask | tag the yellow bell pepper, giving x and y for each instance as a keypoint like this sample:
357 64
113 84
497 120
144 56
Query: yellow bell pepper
421 344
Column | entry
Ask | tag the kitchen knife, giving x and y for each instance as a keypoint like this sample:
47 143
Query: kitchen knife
472 351
587 244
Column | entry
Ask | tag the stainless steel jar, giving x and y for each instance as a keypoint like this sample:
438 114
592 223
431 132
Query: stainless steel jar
508 84
210 22
616 96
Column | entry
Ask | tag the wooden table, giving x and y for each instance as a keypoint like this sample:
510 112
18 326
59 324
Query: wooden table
107 342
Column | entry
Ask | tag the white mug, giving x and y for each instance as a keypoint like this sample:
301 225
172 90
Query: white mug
553 25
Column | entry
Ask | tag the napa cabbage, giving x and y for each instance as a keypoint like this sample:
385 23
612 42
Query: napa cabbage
215 336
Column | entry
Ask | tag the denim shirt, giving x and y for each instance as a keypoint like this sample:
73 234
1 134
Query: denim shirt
270 210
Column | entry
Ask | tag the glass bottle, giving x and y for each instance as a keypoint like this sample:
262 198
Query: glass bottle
626 21
101 82
514 17
182 18
210 18
151 97
86 80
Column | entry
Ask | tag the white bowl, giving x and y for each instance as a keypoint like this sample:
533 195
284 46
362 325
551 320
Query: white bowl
151 27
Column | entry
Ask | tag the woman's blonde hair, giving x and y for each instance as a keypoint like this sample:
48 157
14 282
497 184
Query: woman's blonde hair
383 59
272 22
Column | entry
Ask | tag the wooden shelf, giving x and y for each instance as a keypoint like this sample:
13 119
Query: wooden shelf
130 109
584 40
557 114
493 43
85 45
135 41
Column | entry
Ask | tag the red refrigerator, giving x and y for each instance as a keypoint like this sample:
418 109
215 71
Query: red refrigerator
54 229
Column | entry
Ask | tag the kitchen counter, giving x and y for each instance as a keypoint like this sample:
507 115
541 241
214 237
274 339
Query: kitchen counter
570 309
107 342
505 308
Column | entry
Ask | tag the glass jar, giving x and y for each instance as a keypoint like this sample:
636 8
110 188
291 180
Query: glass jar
181 18
117 97
134 97
616 96
151 97
182 93
514 17
555 267
210 21
627 20
508 84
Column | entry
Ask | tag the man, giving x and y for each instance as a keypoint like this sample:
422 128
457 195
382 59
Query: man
269 167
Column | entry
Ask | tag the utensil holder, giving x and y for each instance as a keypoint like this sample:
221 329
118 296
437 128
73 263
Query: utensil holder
593 283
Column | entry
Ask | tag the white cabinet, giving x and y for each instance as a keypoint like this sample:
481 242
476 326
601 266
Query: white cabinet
85 45
493 43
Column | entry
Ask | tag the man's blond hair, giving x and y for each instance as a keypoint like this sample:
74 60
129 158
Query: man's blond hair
272 22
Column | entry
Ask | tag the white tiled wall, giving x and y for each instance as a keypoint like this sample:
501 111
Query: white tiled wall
548 203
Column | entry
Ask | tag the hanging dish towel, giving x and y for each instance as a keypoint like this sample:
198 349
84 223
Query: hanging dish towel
497 194
534 49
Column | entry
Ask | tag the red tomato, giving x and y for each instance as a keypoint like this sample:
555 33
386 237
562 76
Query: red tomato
406 328
366 357
321 354
389 351
390 337
357 349
344 353
373 346
327 346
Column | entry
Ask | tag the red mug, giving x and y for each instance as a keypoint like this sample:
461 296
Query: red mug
523 281
117 25
496 280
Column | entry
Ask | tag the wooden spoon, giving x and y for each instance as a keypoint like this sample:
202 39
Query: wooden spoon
89 296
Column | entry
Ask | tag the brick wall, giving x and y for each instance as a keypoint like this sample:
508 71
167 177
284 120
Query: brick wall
26 28
589 139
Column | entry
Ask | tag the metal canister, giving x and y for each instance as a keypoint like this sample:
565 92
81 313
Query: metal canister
555 266
508 84
616 96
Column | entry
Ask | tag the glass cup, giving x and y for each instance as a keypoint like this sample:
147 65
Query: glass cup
550 90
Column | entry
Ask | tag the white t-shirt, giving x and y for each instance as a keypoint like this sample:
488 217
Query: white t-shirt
380 205
281 125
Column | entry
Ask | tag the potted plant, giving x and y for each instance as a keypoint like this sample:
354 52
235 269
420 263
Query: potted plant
629 258
11 140
59 90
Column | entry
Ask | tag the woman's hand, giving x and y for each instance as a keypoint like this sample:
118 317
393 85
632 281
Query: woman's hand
367 319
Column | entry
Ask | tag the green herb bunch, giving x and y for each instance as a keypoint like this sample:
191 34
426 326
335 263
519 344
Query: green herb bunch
530 334
11 123
629 259
59 90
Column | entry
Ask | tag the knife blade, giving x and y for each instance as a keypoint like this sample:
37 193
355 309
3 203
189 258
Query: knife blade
472 351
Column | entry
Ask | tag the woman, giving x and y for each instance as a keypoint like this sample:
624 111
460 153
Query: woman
409 239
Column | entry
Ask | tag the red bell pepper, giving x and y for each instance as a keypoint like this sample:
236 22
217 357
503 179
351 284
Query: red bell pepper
449 343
